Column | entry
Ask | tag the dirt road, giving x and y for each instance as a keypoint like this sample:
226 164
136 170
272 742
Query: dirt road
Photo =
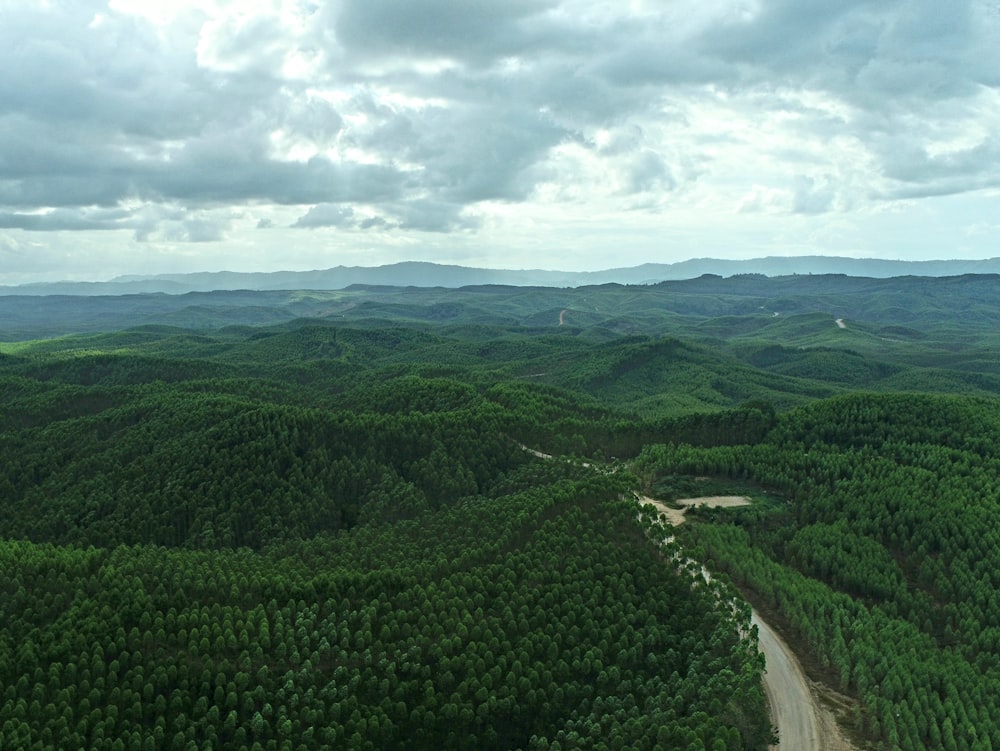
804 724
792 708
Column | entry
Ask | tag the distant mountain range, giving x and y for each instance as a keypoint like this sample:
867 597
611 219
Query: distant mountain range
422 274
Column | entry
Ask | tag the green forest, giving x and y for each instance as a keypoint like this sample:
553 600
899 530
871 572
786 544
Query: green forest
407 518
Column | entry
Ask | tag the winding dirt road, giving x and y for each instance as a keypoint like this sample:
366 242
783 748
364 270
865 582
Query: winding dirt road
803 723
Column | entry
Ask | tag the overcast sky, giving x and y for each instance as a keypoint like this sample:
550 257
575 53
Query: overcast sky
149 137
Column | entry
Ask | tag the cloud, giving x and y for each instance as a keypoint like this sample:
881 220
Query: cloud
919 164
167 123
67 219
433 216
197 230
473 31
647 171
761 198
805 195
812 196
327 215
422 215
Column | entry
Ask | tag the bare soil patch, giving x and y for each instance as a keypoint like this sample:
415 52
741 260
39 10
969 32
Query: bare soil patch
805 712
715 501
676 516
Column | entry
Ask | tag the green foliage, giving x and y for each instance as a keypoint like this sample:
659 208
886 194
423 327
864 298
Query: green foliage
680 346
518 620
885 560
314 522
233 541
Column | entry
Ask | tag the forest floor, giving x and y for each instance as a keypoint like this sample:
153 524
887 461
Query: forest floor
802 710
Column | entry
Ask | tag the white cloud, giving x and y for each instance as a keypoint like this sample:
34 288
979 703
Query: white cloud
761 198
453 128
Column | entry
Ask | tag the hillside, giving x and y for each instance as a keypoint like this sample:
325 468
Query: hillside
291 537
883 560
308 520
900 334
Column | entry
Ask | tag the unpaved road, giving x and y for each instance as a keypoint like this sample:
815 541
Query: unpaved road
792 707
803 723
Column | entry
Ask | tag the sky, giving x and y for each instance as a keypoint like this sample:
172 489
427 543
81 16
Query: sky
155 137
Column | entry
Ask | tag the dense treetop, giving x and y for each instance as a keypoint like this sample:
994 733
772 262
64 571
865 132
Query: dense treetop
235 526
235 540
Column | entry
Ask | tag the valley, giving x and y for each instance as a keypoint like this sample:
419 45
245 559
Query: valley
308 520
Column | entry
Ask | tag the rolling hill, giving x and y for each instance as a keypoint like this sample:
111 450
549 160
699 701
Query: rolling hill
308 519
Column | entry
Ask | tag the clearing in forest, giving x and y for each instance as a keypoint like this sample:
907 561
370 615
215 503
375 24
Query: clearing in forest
676 516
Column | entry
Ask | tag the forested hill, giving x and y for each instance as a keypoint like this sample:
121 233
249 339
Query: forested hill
747 336
308 520
885 560
907 308
310 536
